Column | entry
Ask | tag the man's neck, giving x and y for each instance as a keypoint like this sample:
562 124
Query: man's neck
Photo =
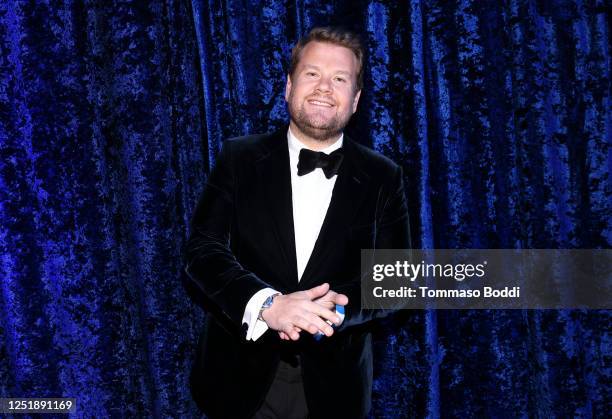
312 143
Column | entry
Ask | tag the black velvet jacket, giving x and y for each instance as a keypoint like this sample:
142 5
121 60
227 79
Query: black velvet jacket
242 240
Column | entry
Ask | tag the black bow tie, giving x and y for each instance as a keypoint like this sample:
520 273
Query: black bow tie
310 160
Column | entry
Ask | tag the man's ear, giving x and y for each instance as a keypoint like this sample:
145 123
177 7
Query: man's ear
288 88
356 100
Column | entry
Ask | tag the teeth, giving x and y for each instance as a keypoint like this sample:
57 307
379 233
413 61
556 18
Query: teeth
316 102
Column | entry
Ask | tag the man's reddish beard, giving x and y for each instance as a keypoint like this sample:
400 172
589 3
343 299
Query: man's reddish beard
320 132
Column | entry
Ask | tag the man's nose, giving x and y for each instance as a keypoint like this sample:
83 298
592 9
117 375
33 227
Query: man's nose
324 85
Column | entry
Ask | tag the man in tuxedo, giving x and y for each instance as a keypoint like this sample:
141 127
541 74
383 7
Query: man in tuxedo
274 252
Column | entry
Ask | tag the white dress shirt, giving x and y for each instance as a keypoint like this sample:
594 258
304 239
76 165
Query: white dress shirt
311 195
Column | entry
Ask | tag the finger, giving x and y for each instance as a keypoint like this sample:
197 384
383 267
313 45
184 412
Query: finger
327 304
317 291
303 323
324 313
329 296
335 297
312 323
341 299
321 325
284 335
291 332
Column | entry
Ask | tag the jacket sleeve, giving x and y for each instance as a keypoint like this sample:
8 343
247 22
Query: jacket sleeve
209 261
392 232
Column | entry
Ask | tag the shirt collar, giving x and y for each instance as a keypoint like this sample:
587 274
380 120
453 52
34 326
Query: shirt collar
296 145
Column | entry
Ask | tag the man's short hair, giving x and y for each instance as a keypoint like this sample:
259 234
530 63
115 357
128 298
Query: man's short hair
335 36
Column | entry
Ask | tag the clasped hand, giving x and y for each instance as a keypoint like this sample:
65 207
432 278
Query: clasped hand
304 310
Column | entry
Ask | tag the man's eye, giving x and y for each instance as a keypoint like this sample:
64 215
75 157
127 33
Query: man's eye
340 79
311 74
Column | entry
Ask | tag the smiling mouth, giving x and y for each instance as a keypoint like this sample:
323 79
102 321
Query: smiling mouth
320 103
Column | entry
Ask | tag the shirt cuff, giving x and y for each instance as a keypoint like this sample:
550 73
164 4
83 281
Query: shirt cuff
255 327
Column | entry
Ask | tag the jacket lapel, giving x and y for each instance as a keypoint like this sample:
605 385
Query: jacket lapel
273 170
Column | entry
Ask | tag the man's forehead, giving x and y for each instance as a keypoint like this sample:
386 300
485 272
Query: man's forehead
338 56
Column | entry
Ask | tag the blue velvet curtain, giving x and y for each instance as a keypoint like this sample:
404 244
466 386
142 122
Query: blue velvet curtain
111 115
